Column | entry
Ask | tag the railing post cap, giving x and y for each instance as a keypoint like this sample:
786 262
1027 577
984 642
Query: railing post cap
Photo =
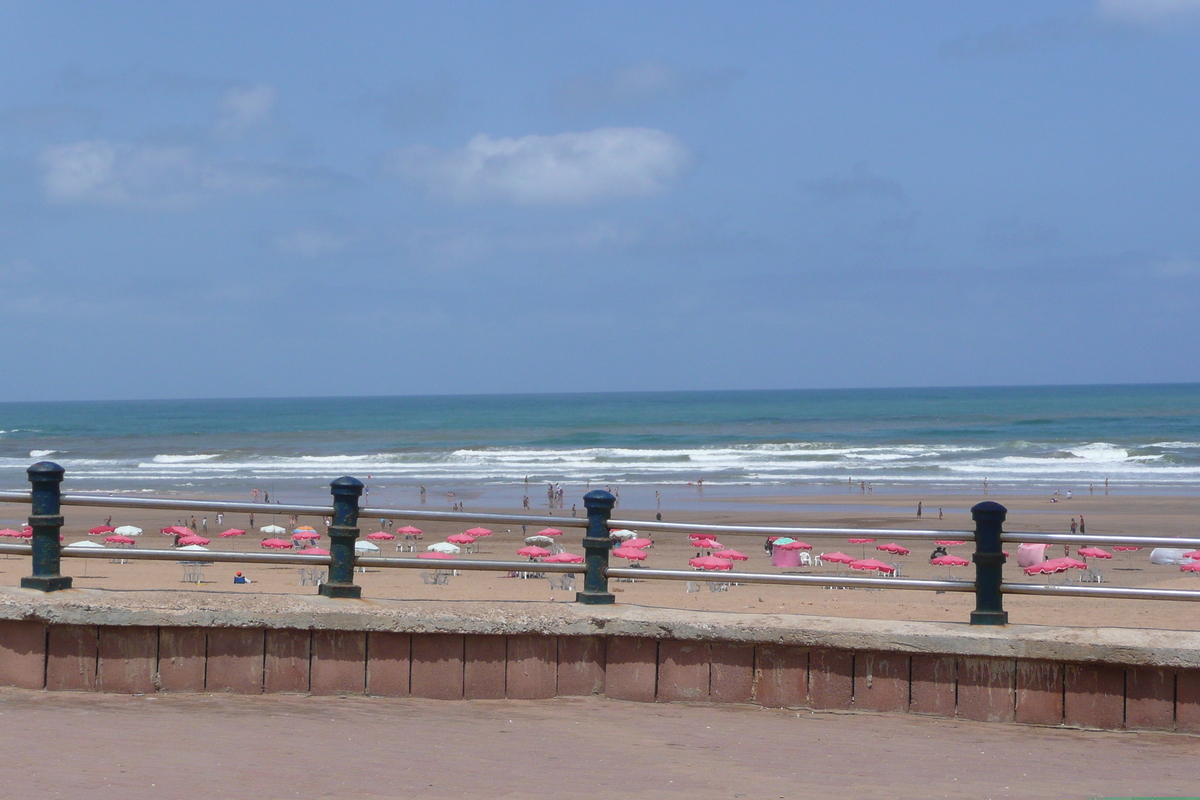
988 509
598 498
347 485
46 471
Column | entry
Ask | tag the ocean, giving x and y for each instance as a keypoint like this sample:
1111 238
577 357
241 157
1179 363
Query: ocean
484 448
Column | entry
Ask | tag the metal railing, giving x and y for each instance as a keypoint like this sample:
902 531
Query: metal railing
46 552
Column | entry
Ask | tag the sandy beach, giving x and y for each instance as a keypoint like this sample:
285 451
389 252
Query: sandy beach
1113 514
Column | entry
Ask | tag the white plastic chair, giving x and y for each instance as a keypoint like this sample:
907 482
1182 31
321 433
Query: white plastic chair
805 559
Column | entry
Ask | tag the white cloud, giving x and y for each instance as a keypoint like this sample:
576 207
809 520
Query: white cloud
566 168
245 108
101 172
1151 12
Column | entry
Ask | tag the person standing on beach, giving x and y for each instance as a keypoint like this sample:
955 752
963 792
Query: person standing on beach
919 509
1074 526
939 513
1082 528
422 495
985 486
251 522
220 519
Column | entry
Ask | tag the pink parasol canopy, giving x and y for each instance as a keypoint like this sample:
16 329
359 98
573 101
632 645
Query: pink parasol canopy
533 551
795 545
313 551
12 533
872 563
949 542
1125 547
629 553
731 555
707 544
1095 552
860 541
380 536
1188 554
949 561
409 530
640 544
549 532
478 532
120 540
563 558
710 562
709 536
435 554
231 532
277 544
460 538
893 548
176 530
837 558
1055 565
306 535
1192 567
100 530
186 540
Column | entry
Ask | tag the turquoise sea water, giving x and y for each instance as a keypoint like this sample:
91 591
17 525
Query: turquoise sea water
1024 438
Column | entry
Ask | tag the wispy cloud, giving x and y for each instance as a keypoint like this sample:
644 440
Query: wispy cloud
244 108
562 169
638 83
859 183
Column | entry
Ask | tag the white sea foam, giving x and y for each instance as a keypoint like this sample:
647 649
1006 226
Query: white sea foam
187 459
41 453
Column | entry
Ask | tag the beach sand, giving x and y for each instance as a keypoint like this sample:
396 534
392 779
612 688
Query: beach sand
1114 514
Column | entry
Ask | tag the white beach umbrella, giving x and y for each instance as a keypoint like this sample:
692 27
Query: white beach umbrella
128 530
622 534
540 541
444 547
84 545
365 547
193 547
272 529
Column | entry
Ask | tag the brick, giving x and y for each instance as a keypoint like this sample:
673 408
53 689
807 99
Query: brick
632 672
1187 700
683 670
389 659
731 677
987 689
1149 698
1039 693
483 667
286 660
582 665
22 654
437 666
780 676
128 660
72 653
830 678
339 662
934 685
182 659
235 660
1094 696
881 681
532 667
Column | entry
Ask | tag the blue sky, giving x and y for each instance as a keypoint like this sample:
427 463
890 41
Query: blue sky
232 199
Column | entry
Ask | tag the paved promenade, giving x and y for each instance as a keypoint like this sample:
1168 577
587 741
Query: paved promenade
225 746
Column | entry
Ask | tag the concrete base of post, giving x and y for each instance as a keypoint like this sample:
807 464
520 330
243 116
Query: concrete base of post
341 591
595 598
43 584
989 617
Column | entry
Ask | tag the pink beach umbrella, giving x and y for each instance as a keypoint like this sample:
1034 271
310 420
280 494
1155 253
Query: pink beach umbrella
549 532
435 554
949 542
276 544
1095 552
731 555
477 532
231 532
863 542
893 548
120 540
1127 548
640 544
629 553
100 530
460 538
795 545
872 563
837 558
563 558
707 544
380 536
11 532
176 530
533 551
305 535
409 530
1192 567
313 551
186 540
949 561
710 562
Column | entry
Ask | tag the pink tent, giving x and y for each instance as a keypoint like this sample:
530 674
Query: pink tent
533 551
837 558
1096 552
306 535
231 532
563 558
435 554
731 555
277 544
629 553
893 548
871 563
460 538
100 530
186 540
710 562
477 532
120 540
380 536
949 561
795 545
549 532
640 544
1029 555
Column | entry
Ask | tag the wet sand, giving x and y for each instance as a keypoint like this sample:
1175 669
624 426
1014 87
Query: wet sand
1114 514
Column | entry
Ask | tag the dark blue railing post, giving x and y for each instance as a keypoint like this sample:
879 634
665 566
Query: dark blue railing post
46 521
989 561
342 534
596 544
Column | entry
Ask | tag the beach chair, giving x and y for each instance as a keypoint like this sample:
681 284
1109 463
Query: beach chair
429 579
714 586
805 559
817 562
692 586
192 572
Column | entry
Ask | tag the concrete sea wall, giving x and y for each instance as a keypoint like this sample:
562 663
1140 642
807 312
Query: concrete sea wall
91 640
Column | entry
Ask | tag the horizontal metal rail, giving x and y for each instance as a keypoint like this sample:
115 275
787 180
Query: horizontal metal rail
1115 592
1070 538
846 581
774 530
